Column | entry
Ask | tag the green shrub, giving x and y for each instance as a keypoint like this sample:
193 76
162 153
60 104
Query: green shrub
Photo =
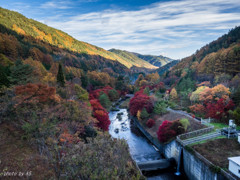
215 169
81 93
185 123
236 115
144 114
172 104
189 149
104 100
160 108
146 91
113 95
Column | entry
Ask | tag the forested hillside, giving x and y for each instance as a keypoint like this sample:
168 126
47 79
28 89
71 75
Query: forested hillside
55 95
217 57
207 82
55 42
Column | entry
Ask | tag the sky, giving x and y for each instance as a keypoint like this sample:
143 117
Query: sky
173 28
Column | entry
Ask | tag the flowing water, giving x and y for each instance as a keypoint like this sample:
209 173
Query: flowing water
140 149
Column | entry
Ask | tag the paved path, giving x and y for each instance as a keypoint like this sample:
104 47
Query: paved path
182 113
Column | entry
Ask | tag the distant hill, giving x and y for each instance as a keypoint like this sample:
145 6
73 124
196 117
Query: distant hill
131 58
33 34
144 61
166 67
218 57
155 60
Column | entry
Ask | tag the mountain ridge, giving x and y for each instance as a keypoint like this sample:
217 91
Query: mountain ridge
217 57
156 61
28 27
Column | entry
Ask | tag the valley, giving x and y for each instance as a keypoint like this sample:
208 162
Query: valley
69 109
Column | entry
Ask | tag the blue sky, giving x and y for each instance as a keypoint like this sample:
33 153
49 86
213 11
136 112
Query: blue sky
171 28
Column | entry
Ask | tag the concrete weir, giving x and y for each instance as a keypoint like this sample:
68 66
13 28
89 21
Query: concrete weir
155 164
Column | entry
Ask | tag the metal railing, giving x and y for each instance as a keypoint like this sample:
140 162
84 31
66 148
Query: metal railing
195 133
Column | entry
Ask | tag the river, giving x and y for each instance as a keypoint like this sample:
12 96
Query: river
140 149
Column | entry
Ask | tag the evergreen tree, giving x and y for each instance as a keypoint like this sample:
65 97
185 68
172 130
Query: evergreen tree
113 95
120 84
60 76
160 108
144 114
4 81
104 100
20 73
84 80
69 76
146 91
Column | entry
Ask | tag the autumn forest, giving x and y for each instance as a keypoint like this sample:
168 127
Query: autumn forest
56 94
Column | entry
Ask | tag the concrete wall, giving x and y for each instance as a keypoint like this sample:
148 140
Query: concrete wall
147 135
171 150
195 166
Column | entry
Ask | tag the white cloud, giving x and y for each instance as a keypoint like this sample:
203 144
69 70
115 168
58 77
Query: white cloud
56 5
175 27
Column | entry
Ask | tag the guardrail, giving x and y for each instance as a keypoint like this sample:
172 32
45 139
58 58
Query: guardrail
195 133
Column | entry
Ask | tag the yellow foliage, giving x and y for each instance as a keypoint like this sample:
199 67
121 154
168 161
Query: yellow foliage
173 94
143 83
221 91
75 71
153 78
39 72
195 94
139 115
18 29
100 77
42 35
49 78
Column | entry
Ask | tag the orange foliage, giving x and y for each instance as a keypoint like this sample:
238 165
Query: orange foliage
36 93
197 108
205 83
18 29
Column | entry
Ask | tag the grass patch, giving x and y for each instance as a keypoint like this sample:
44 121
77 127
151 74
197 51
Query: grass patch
204 141
218 125
221 125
